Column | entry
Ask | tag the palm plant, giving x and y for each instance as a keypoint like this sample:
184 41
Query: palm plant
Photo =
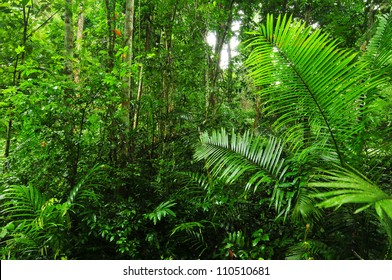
36 224
312 87
230 157
347 185
316 93
377 106
379 50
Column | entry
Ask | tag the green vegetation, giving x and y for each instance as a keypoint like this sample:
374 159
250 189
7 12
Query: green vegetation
125 135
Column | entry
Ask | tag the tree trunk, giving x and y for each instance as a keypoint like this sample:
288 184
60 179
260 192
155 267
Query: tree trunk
68 38
126 93
111 25
258 116
128 42
138 98
8 139
167 73
215 67
79 41
229 72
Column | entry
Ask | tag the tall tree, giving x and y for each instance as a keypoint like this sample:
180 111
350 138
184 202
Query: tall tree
79 40
68 38
128 43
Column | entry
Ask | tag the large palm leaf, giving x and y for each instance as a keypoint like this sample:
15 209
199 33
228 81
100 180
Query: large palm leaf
21 202
343 186
346 186
309 85
229 157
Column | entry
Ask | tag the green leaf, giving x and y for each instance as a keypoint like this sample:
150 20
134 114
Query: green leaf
256 241
161 211
265 237
20 49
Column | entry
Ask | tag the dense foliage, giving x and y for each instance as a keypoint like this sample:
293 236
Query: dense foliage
126 134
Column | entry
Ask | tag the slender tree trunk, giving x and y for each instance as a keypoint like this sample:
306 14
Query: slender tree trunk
229 72
110 6
126 93
79 41
76 149
128 42
284 6
167 74
370 15
68 38
72 149
307 16
26 15
111 25
257 119
8 139
138 98
220 40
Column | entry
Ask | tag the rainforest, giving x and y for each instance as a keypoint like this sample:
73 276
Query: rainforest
179 129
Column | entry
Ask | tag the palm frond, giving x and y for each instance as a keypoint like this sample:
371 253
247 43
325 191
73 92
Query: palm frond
83 183
161 211
350 187
195 179
22 202
344 186
40 223
230 157
379 50
309 85
194 235
305 207
308 250
255 160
